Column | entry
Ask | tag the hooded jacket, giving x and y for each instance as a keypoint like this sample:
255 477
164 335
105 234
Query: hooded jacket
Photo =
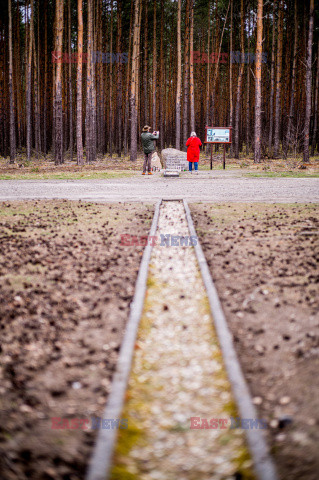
148 142
193 144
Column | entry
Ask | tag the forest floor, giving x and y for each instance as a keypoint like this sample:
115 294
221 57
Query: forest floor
107 167
66 284
264 262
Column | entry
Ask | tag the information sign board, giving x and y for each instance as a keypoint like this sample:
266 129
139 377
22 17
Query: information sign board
218 135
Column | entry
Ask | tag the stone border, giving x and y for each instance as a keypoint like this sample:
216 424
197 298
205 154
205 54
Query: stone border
101 460
263 463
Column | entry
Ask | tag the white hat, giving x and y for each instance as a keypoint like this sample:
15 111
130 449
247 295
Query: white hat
193 134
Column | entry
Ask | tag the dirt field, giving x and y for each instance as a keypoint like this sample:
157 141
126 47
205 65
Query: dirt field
66 284
264 261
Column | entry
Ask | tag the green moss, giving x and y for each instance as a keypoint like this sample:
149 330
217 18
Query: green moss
129 437
121 473
150 282
244 464
139 404
231 408
242 461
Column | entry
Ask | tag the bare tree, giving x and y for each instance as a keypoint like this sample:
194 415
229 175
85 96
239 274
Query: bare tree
12 123
179 77
308 84
240 79
89 148
293 82
272 78
28 82
119 78
58 113
70 86
278 79
111 86
186 74
315 122
191 69
154 66
258 82
79 141
134 80
231 73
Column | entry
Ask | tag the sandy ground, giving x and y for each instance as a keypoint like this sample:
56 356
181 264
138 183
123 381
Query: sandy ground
208 186
264 262
65 288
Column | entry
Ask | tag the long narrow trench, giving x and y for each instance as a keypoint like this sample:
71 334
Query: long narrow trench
178 380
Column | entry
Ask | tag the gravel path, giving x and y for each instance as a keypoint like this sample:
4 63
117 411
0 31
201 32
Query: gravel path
178 374
207 186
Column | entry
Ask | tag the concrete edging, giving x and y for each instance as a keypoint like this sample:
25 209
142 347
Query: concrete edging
263 463
101 460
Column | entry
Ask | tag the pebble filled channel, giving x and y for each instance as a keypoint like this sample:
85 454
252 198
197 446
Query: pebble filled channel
178 374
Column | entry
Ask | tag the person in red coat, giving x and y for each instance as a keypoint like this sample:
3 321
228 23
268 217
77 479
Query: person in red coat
193 144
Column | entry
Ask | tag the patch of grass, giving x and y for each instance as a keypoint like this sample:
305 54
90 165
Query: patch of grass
18 281
218 166
288 174
36 175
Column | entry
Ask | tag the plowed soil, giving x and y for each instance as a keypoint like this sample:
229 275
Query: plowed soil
66 284
264 262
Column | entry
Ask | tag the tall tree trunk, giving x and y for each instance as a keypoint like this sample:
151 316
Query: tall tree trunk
154 67
17 76
162 70
70 86
145 73
191 69
127 90
278 80
179 77
45 87
89 87
79 141
36 99
186 74
308 85
257 154
138 103
28 90
12 123
119 78
272 79
111 86
248 90
100 85
134 80
217 63
315 110
240 79
58 84
208 68
293 83
231 106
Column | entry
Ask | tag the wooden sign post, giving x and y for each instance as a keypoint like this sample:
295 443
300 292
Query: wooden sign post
218 135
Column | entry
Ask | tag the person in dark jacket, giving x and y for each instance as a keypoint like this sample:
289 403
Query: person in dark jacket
193 144
148 147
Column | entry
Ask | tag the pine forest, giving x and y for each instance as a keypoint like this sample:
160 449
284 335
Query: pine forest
80 78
